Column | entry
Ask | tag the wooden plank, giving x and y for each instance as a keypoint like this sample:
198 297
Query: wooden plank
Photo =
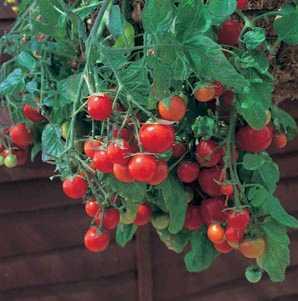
288 165
63 266
113 288
144 263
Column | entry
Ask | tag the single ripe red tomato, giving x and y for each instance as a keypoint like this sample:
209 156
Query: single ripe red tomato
280 140
32 114
123 133
227 190
193 220
92 208
20 135
102 162
254 141
96 241
210 180
91 146
142 167
122 174
252 248
175 111
216 233
111 218
223 247
143 216
161 173
188 171
178 150
229 32
219 88
100 106
208 153
75 187
242 4
238 219
212 211
118 152
157 138
234 236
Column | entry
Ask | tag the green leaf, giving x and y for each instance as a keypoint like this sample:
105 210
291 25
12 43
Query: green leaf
258 196
26 60
254 105
125 233
176 202
253 161
220 10
202 253
206 58
158 20
177 242
13 83
276 258
287 27
127 38
133 192
115 21
273 207
254 38
284 122
269 175
204 127
51 143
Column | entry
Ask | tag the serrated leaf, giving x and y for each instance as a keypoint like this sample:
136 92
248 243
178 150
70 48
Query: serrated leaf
253 161
220 10
125 233
175 199
258 196
276 258
174 242
202 253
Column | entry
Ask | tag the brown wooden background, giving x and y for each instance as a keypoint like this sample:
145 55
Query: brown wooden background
42 257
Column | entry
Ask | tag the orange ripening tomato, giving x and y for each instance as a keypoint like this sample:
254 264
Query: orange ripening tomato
216 233
205 94
175 111
252 248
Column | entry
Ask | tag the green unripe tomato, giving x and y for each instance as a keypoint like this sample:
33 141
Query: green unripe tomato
253 274
160 221
65 129
1 160
127 39
127 217
10 161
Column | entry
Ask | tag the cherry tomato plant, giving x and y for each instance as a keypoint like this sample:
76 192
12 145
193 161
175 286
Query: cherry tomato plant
161 114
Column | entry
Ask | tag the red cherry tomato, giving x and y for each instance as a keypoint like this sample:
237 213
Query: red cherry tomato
96 241
233 236
118 152
227 190
175 111
144 213
178 150
238 220
219 88
20 135
223 247
188 171
280 140
111 218
242 4
91 146
254 141
92 208
32 114
210 180
122 174
100 106
157 138
123 133
216 233
193 220
212 211
102 162
75 187
229 32
208 153
160 174
142 167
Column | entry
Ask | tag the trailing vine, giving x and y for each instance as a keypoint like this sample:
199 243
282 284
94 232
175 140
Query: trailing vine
156 111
